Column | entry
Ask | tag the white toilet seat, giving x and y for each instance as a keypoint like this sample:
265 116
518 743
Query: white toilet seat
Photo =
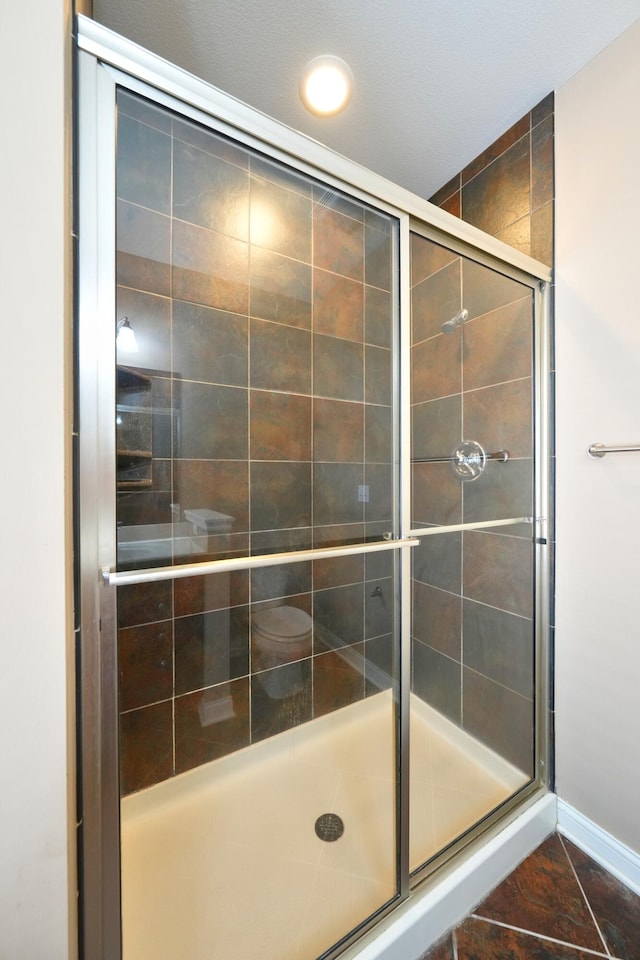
287 625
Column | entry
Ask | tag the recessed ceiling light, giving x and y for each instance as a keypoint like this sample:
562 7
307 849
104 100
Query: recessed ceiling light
325 86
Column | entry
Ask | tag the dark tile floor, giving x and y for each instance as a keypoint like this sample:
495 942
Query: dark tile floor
557 905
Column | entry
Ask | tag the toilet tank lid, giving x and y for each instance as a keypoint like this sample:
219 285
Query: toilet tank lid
289 623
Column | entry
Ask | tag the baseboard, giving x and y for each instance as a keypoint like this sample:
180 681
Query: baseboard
427 916
614 856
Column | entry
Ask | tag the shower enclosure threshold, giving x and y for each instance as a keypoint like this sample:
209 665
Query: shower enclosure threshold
224 860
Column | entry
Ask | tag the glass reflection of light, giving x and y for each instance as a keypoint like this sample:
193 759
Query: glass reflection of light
263 224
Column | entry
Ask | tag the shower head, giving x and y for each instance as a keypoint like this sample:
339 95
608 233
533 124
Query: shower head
449 326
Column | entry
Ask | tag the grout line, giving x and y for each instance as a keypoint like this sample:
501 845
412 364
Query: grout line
454 943
586 899
542 936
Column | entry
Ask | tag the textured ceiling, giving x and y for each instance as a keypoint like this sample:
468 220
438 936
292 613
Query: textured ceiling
436 81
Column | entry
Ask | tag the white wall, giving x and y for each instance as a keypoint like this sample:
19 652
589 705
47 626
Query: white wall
598 399
35 872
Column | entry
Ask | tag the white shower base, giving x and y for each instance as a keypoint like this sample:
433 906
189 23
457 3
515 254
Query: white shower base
223 862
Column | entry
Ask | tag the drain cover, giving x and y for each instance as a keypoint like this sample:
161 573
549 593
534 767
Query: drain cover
329 827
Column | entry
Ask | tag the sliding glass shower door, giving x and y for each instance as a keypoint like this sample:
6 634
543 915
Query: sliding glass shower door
254 426
473 631
311 480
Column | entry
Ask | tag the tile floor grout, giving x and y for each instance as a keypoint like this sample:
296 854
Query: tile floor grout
541 936
558 904
584 894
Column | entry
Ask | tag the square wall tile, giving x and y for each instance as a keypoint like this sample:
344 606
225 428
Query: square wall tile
378 317
280 357
379 607
338 431
338 306
150 318
501 417
143 242
211 648
211 723
210 192
280 426
436 368
499 194
336 493
428 257
216 591
214 143
146 746
209 345
280 219
378 507
145 664
485 290
338 616
435 300
436 679
498 347
281 581
280 289
378 256
338 368
215 485
498 571
504 490
437 495
437 560
213 422
500 646
131 105
338 242
338 680
280 495
210 268
437 619
378 438
500 718
143 165
436 427
377 375
144 603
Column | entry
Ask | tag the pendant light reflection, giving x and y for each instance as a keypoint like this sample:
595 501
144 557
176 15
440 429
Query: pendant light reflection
125 336
325 85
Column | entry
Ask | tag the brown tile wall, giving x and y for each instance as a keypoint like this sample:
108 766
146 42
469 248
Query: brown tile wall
276 351
472 592
262 308
508 191
473 633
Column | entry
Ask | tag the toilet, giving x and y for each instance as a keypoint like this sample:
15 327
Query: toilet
281 635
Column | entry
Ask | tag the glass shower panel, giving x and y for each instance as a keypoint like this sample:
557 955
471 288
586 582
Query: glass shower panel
472 717
254 415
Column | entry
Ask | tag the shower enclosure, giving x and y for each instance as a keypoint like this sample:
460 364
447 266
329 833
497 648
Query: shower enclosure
312 515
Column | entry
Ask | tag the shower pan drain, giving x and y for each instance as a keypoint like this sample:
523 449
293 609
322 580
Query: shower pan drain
329 827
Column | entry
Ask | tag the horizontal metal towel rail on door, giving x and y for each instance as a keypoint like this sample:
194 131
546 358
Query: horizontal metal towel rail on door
598 450
121 578
476 525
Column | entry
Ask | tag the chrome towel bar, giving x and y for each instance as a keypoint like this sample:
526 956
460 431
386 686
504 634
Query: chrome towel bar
119 578
599 450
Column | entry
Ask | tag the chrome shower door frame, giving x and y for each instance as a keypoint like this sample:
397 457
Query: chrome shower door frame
106 62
